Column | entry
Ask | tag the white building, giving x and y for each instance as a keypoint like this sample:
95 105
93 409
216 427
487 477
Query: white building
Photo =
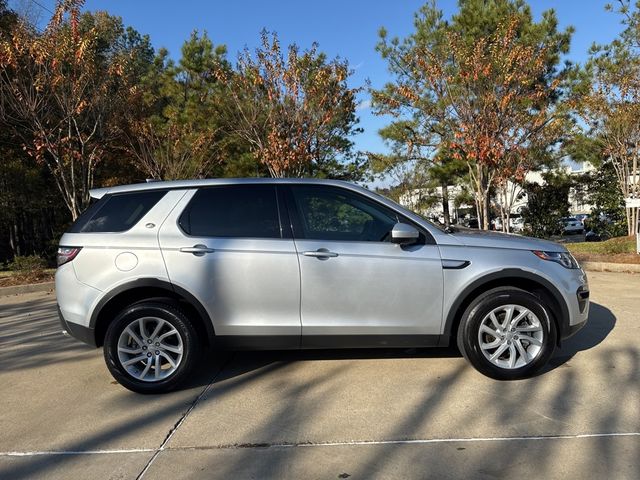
428 202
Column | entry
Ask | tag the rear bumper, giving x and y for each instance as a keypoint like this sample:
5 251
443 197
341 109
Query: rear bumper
80 332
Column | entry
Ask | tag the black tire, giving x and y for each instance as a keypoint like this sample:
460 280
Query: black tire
173 316
468 332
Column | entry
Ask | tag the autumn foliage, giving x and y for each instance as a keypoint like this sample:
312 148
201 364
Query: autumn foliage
485 101
60 97
289 108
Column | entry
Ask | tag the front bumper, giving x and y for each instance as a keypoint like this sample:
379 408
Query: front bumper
576 293
571 330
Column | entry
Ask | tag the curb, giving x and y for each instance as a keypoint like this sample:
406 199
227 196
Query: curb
611 267
31 288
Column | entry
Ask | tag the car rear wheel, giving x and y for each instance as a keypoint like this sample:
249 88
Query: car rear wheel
507 334
151 347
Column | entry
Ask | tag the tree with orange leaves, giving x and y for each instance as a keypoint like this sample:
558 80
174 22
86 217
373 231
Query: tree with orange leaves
296 111
62 90
610 105
484 86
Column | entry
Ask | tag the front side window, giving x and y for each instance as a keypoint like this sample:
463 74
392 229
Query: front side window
249 211
329 213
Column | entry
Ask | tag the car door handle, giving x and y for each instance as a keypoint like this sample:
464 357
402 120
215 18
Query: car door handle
197 250
320 253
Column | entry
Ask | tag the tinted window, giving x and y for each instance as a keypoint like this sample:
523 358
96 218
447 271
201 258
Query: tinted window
336 214
234 211
117 213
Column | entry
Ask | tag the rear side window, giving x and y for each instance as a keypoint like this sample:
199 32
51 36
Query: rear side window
233 211
116 213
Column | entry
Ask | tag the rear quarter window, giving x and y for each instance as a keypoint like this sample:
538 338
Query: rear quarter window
116 213
239 211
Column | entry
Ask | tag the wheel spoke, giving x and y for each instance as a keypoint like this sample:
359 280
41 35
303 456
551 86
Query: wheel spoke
157 367
528 328
490 345
519 317
485 329
499 352
134 336
532 340
134 360
173 331
169 359
522 351
508 313
157 329
146 368
494 320
171 348
143 332
512 355
130 351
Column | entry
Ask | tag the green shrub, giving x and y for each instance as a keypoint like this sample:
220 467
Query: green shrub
610 247
28 263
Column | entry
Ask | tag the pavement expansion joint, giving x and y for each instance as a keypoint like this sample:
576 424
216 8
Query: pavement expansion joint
181 420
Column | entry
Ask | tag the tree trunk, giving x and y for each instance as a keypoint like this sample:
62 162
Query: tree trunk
481 194
486 221
445 204
632 221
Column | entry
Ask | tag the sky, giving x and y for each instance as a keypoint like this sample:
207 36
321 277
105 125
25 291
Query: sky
343 28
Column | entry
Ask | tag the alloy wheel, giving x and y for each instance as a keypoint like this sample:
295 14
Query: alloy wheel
150 349
511 336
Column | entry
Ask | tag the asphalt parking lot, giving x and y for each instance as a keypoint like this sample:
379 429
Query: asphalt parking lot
325 414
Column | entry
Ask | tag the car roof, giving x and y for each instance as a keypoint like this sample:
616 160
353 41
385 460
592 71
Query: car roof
186 184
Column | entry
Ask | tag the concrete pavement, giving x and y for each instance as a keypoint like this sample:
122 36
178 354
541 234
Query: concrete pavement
325 414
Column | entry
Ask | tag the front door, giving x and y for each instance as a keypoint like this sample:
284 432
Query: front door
358 288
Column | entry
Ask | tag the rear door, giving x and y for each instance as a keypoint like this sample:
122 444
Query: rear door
358 288
226 246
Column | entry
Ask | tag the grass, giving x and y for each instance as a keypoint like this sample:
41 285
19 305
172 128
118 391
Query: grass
615 250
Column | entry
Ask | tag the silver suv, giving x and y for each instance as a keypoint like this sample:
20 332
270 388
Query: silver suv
156 272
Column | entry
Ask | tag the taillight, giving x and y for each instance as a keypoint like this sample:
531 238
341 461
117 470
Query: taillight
66 254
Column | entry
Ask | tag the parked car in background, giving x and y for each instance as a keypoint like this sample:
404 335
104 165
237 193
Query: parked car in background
471 223
572 225
155 272
516 224
581 217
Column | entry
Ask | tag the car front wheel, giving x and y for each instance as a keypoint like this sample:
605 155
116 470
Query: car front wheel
151 347
507 334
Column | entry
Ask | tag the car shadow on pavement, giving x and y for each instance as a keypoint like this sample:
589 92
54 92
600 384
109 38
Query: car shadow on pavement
599 325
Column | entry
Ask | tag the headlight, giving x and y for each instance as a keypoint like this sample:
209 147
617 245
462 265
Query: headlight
563 258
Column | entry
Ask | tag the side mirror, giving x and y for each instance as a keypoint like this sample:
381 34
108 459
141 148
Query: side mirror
403 234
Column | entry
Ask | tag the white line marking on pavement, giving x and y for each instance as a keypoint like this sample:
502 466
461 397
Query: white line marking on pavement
78 452
456 440
323 444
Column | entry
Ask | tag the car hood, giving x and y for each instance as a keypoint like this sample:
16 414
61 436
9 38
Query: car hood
484 238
